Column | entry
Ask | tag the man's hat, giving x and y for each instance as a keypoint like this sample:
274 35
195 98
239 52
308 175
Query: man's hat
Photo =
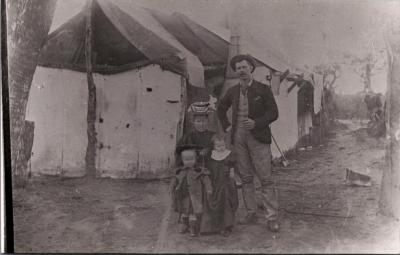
240 58
185 147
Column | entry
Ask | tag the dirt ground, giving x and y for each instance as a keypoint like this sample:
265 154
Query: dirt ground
104 215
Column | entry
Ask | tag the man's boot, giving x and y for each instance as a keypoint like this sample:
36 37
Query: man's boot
273 225
271 206
184 225
193 228
250 218
249 198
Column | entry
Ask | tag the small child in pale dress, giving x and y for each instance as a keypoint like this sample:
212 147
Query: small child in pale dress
224 202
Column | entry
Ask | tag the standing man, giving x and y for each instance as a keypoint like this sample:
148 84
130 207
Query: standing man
253 110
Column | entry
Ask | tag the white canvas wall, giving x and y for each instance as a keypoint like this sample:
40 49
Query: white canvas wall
137 117
138 128
58 106
318 88
285 129
260 74
139 125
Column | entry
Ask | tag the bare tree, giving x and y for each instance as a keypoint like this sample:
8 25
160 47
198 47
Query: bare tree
330 73
390 193
366 66
27 27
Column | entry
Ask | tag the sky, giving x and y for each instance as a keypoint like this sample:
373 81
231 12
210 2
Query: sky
305 32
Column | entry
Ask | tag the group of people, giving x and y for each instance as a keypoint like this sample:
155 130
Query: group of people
203 189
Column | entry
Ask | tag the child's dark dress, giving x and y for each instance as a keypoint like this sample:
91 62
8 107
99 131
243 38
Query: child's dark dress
189 194
224 202
202 139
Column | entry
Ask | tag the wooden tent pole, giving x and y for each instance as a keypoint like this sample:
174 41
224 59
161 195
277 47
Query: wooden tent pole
234 49
91 111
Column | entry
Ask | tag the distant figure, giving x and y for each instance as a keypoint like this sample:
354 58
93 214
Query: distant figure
376 125
253 110
330 106
374 106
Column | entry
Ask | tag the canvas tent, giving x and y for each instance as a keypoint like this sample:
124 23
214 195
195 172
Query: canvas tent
125 37
300 98
140 72
318 132
147 68
213 47
305 111
285 128
310 115
318 88
211 44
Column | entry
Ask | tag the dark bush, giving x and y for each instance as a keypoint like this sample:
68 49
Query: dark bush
350 106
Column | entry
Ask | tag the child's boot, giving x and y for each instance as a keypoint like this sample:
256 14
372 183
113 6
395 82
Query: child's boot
193 227
184 225
226 232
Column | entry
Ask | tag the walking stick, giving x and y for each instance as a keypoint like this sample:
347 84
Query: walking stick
285 162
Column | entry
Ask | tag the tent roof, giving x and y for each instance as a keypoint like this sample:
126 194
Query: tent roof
259 47
211 43
124 37
207 46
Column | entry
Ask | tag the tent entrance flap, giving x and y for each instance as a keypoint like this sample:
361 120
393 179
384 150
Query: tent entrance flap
139 115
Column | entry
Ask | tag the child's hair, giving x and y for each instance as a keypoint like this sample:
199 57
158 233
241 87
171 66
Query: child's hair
190 149
198 115
218 137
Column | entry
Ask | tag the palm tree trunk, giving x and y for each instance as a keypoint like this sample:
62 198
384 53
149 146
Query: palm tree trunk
390 192
27 27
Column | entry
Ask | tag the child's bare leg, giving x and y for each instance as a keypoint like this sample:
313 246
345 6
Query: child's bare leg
184 223
193 225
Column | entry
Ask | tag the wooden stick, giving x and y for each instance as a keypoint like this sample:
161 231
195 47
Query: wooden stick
279 149
318 214
287 168
91 111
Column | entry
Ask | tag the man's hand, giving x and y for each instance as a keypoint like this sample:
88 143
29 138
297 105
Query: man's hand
249 124
209 195
203 152
228 129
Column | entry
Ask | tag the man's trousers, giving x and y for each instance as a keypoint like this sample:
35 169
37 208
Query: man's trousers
254 158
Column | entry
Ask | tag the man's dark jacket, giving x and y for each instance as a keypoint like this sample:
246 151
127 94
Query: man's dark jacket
262 109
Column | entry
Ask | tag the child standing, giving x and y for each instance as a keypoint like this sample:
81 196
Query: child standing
224 202
191 188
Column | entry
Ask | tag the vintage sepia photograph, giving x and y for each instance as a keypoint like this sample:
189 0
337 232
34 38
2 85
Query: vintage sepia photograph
201 126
